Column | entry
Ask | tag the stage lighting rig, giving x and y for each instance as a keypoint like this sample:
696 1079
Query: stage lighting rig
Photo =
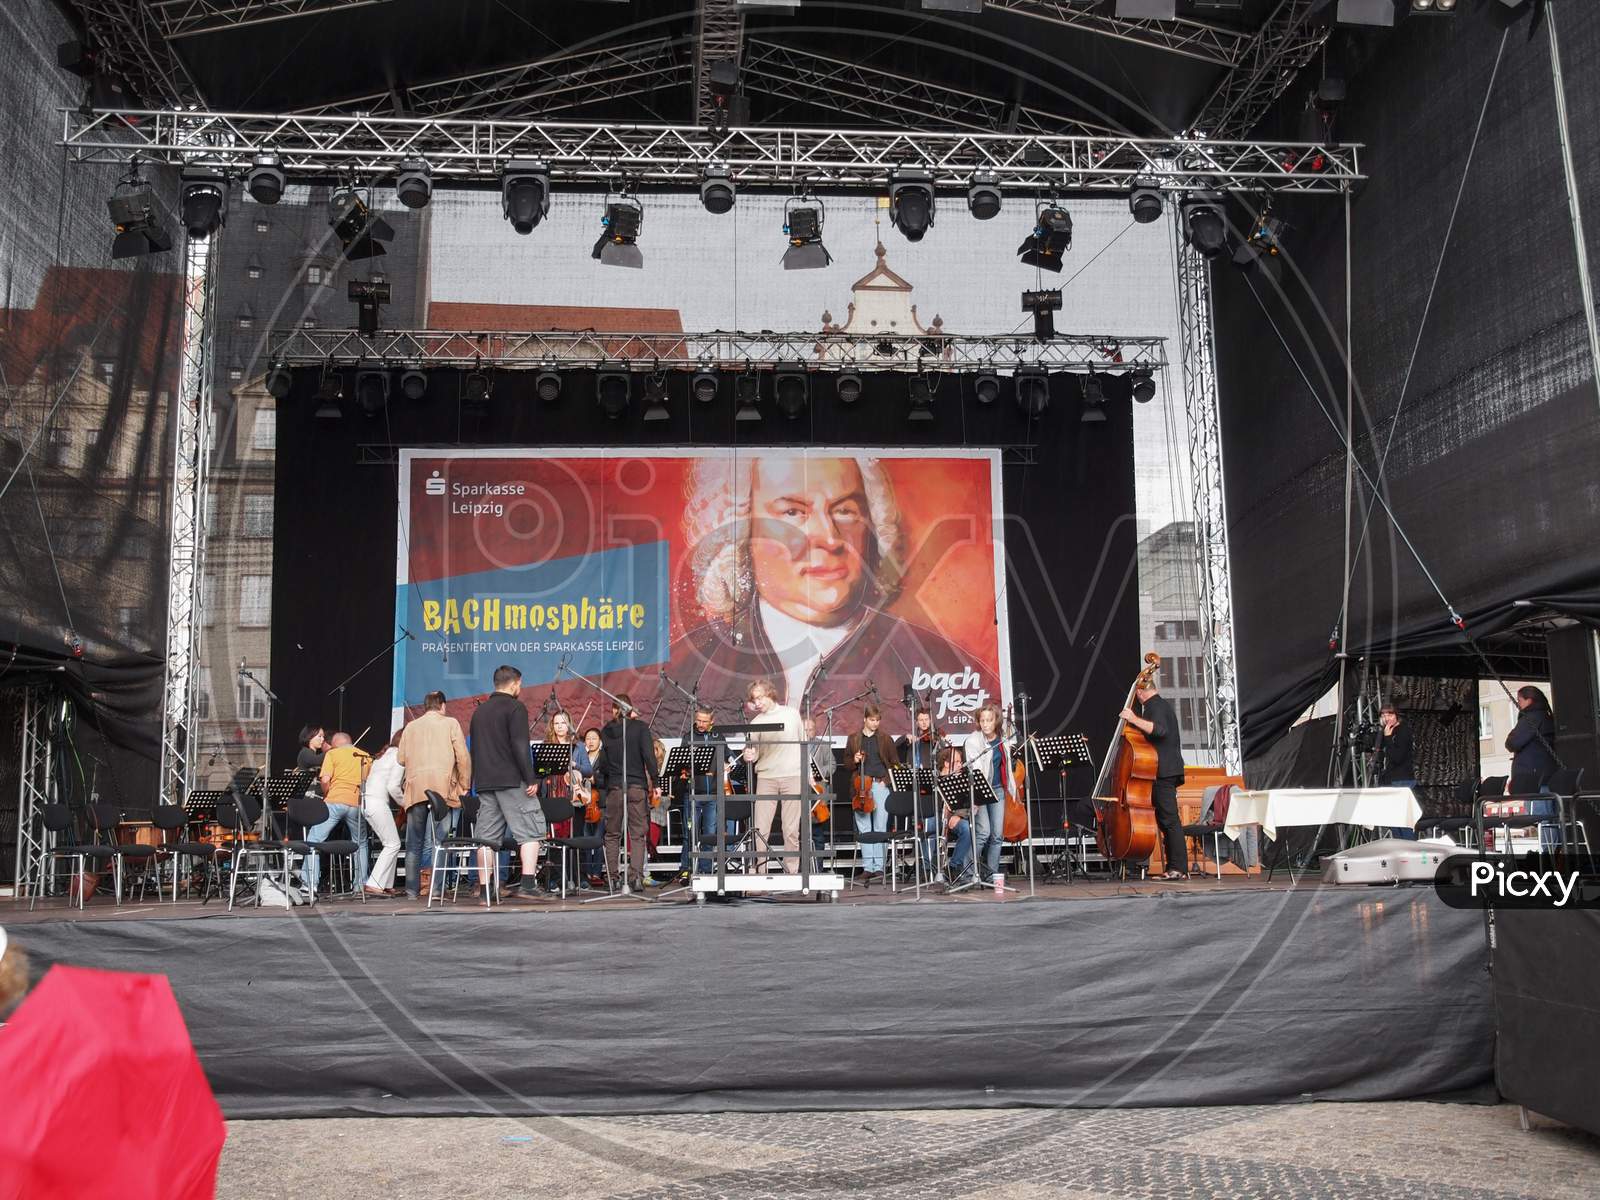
986 388
547 386
611 388
911 203
265 180
716 189
802 225
413 183
983 196
729 106
1261 251
413 383
1144 204
747 396
330 390
1050 239
132 205
847 385
1033 390
919 395
1144 386
1043 304
372 390
475 389
369 297
655 399
617 245
703 387
202 201
1094 400
1204 226
279 381
360 231
791 392
525 193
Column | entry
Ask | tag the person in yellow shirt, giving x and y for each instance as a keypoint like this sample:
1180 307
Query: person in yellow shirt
344 770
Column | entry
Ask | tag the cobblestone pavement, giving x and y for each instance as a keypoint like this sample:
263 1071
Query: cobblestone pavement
1343 1151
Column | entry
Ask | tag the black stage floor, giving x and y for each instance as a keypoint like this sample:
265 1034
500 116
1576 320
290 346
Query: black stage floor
1092 994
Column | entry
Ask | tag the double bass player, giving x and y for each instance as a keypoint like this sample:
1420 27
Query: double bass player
1151 713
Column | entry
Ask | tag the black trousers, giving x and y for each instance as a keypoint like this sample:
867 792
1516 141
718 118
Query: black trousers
1164 796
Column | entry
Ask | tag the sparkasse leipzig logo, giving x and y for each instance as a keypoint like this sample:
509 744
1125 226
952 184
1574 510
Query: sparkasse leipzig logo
435 485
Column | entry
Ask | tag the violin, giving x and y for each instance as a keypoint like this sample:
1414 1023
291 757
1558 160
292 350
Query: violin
861 799
819 811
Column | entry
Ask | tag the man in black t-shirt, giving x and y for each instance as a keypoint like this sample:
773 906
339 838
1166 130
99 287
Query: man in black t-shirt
1151 714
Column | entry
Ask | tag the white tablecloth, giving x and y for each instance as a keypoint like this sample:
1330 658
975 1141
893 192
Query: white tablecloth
1322 806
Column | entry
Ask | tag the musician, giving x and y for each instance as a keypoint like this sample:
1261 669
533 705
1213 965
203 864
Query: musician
950 761
558 732
1151 714
628 778
313 745
797 563
433 752
384 786
779 767
918 752
870 754
502 769
344 770
987 753
823 765
700 812
593 865
1532 743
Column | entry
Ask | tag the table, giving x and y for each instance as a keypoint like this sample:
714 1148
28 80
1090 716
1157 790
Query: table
1392 806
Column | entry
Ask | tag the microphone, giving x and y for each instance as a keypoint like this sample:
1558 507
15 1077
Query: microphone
909 698
241 664
408 633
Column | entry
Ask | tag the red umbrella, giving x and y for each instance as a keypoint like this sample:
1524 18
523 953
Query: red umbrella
103 1093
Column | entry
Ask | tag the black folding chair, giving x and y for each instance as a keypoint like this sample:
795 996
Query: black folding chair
308 811
458 855
57 819
558 809
901 831
106 818
268 858
170 819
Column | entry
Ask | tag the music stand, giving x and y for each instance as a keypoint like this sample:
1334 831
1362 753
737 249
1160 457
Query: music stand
552 758
962 792
1060 753
697 760
919 782
201 807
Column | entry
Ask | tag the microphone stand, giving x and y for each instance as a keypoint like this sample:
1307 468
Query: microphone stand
350 678
937 855
266 760
627 892
1027 804
691 829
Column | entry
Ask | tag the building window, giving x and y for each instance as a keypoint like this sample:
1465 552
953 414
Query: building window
309 323
209 516
1183 672
108 370
313 274
208 599
1485 722
91 442
263 226
379 277
127 619
235 374
246 321
258 517
58 447
1186 715
252 704
255 601
253 272
265 434
202 694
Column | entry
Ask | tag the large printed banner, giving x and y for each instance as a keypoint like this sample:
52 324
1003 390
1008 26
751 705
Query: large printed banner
840 576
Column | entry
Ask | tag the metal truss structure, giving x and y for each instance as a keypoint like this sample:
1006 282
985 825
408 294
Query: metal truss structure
1275 56
1192 39
34 784
186 545
186 18
129 38
1210 513
718 37
777 157
647 352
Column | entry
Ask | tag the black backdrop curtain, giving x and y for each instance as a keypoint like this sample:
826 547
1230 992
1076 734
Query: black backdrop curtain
1069 504
1491 470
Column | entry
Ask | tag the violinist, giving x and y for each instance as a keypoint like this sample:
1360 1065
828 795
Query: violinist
558 731
918 753
986 752
593 865
869 754
1152 715
951 762
699 806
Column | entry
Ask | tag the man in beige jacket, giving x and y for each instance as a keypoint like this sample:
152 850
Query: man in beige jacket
778 767
434 755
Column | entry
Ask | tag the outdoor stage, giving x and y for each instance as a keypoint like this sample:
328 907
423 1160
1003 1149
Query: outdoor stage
1090 995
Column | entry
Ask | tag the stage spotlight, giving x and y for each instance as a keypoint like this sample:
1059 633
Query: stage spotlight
791 392
802 225
1205 228
716 189
1145 205
1261 249
919 392
265 179
1043 304
360 231
279 381
413 383
747 397
202 201
547 386
1032 389
132 205
525 193
986 388
911 203
330 389
983 196
611 389
655 400
1050 239
475 390
1144 387
372 390
413 184
369 297
703 387
848 387
616 246
1094 400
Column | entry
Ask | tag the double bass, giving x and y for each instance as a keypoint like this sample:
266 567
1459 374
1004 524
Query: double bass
1015 828
1125 818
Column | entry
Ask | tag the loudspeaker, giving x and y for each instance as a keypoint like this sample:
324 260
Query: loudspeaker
1575 695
